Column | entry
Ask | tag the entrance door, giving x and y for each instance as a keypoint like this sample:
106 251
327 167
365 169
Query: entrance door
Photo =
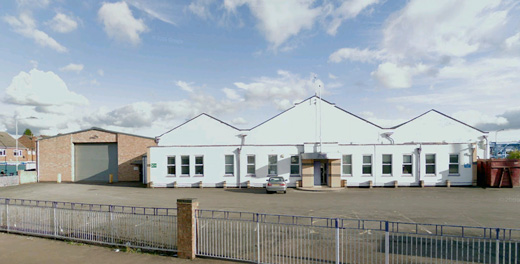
324 173
317 173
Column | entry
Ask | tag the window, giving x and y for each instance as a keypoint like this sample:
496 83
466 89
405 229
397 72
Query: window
407 164
346 165
171 165
230 165
367 164
272 167
199 165
454 164
430 163
295 165
251 164
2 152
185 165
387 164
17 152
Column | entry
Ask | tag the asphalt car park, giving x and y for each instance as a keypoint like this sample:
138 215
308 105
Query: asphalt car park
470 206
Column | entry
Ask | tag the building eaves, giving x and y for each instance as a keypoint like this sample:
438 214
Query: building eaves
438 112
203 114
97 129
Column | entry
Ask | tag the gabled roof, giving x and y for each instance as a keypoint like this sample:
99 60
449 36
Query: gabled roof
203 114
97 129
440 113
315 96
6 141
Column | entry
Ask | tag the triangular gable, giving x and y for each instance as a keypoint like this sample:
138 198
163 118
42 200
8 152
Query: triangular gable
201 130
440 113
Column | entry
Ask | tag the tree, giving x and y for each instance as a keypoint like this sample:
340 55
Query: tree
28 132
514 154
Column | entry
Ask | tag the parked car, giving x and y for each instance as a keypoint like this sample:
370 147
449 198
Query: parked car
276 184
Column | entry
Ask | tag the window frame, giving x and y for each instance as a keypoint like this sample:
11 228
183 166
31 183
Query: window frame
346 164
198 165
3 152
251 164
383 164
230 164
168 165
434 164
17 153
366 164
269 165
450 164
407 164
295 164
185 165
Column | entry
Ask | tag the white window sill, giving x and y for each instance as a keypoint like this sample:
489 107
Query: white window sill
169 175
366 175
229 175
198 175
386 175
250 175
346 175
453 175
430 175
407 175
295 175
185 175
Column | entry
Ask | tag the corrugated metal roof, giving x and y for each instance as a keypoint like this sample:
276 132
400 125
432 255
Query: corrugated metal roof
94 128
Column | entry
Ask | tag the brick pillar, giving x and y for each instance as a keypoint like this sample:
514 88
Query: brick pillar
186 228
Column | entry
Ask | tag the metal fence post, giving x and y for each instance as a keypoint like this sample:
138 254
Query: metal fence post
110 210
7 214
257 239
54 224
387 243
498 247
337 241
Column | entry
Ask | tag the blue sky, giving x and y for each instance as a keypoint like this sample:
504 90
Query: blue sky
146 66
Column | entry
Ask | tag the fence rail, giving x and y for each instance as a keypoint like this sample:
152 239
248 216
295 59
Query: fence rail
269 238
138 227
263 238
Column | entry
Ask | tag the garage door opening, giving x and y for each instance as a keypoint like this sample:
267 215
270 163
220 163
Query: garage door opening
95 162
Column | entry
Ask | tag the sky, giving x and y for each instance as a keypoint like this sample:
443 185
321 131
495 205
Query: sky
145 67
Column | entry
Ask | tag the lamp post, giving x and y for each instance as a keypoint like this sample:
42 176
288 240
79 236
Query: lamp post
16 128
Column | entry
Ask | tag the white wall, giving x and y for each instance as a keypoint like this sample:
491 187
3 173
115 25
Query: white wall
214 164
294 132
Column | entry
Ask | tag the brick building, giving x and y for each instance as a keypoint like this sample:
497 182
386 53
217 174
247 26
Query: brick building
8 151
30 143
91 155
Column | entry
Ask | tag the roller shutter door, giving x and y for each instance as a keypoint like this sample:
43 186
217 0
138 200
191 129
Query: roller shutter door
94 162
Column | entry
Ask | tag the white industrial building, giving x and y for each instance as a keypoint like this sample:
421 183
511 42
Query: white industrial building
319 144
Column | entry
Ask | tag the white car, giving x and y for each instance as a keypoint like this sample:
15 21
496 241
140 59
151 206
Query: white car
276 184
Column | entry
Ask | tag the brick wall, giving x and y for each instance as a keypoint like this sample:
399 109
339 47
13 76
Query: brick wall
10 157
56 153
129 149
55 157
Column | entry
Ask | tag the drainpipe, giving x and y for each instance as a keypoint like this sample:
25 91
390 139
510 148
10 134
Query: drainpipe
38 161
239 154
486 150
419 149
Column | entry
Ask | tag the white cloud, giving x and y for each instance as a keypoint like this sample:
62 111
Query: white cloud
161 10
201 8
475 117
100 72
188 87
294 15
347 10
513 42
120 24
62 23
33 3
232 94
39 88
393 76
444 27
365 55
283 90
26 26
72 67
239 121
332 76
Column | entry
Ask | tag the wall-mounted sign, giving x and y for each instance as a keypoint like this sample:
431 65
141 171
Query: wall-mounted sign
467 165
153 165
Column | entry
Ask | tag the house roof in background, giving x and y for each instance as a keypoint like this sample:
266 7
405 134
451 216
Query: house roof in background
6 141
